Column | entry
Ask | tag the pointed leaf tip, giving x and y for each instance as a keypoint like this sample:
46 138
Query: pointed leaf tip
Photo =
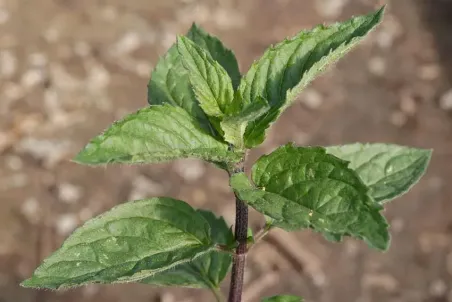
154 134
285 69
389 170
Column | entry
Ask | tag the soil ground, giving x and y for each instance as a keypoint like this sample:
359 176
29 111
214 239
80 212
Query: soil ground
68 68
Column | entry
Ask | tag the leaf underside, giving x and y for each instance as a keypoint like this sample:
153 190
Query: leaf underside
128 243
289 66
388 170
207 271
307 188
158 133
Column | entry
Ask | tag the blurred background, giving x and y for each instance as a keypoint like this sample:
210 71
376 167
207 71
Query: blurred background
68 68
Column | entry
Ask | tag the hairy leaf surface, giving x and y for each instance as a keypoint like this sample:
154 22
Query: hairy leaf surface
307 188
155 134
234 126
224 56
170 84
210 81
388 170
208 270
128 243
288 67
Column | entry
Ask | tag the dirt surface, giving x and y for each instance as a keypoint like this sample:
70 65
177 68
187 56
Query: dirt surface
68 68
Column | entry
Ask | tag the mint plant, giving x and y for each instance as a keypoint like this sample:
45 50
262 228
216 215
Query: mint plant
202 107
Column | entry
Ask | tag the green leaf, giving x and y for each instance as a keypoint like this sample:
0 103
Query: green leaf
170 84
210 81
388 170
234 126
155 134
288 67
307 188
283 298
206 271
128 243
224 56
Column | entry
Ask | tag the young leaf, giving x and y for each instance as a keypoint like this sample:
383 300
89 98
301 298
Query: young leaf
170 84
206 271
286 68
224 56
234 126
305 187
210 81
154 134
283 298
388 170
128 243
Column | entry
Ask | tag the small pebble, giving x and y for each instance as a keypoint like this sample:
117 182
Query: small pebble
397 225
398 118
407 103
429 72
66 223
388 32
189 169
330 8
109 13
50 151
227 19
377 66
30 208
311 98
14 162
69 193
90 290
445 102
438 288
143 187
127 44
8 63
51 35
98 77
4 16
383 281
143 69
32 78
38 59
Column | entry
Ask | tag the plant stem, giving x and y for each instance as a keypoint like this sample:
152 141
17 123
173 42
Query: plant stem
241 232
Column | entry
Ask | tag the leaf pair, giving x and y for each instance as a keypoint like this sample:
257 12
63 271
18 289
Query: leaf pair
308 188
159 241
200 104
